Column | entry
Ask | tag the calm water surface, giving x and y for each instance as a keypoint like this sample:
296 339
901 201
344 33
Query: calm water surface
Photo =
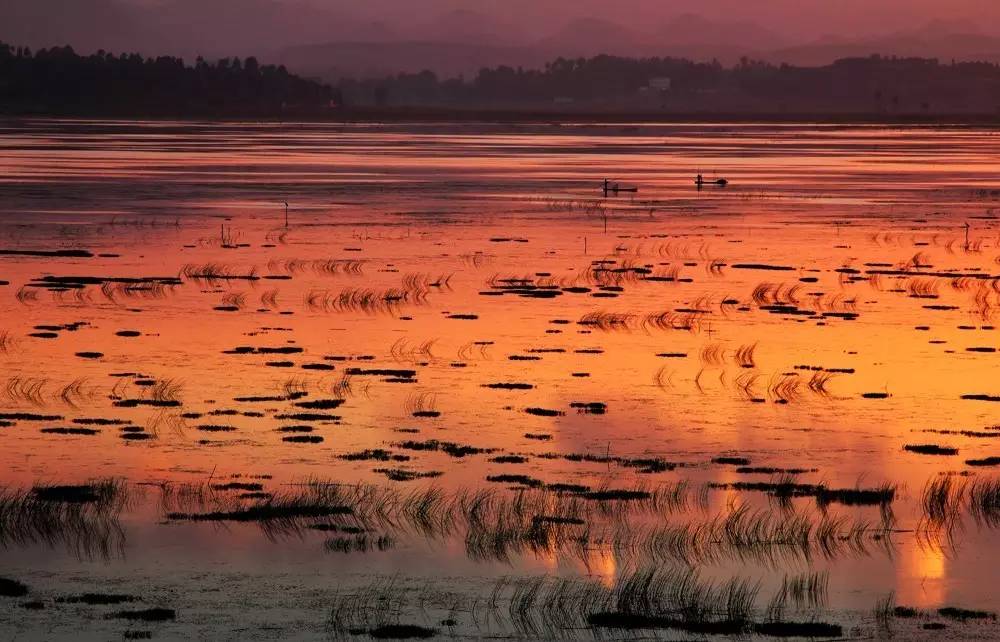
769 348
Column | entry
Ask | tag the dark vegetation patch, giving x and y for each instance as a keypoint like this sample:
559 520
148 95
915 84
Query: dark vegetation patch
538 436
382 372
320 404
28 416
96 599
12 588
799 629
317 366
761 266
308 416
636 621
509 459
137 436
215 428
128 333
930 449
303 439
90 355
404 475
248 486
76 254
985 461
264 350
786 488
619 494
376 454
450 448
358 544
146 615
590 407
74 494
956 613
771 470
520 480
508 386
267 510
734 461
295 429
544 412
401 631
70 431
154 403
979 397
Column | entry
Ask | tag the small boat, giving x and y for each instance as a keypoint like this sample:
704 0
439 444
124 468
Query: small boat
617 187
701 182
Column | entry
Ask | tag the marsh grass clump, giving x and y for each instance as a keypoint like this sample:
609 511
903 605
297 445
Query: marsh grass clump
508 386
12 588
406 475
375 454
785 487
544 412
401 632
452 449
799 629
83 518
956 613
145 615
509 459
212 273
930 449
97 599
359 543
303 439
277 509
70 431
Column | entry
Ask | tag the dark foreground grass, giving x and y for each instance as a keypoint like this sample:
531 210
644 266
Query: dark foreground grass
12 588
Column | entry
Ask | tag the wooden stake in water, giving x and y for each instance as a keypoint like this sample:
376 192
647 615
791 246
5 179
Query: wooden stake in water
966 235
286 214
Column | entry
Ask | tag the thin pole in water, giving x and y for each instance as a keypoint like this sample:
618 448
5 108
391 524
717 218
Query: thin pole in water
286 213
966 235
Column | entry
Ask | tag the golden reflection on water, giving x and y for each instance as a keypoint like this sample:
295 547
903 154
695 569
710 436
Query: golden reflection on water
922 577
825 203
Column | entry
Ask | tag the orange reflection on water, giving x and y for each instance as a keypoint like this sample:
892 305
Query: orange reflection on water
921 577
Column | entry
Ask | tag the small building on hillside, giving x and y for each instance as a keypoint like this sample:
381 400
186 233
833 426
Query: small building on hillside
659 83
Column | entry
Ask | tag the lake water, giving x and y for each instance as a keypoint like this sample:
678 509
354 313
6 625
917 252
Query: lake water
456 385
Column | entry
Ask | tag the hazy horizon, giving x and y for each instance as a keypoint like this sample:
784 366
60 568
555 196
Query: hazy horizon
519 33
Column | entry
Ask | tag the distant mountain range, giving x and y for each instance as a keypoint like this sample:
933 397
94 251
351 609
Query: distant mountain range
470 44
364 39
